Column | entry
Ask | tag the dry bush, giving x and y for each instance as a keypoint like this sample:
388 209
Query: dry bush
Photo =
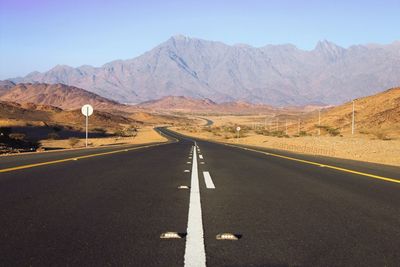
381 134
53 136
17 136
330 130
73 141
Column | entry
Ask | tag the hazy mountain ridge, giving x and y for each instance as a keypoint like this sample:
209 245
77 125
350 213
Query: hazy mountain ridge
273 74
193 105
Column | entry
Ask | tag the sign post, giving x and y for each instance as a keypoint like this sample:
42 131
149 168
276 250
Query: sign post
238 133
87 110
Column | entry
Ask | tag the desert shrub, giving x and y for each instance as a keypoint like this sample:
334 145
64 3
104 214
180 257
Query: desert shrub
130 131
99 130
127 132
17 136
53 136
57 129
264 132
330 130
303 133
73 141
381 135
119 133
278 133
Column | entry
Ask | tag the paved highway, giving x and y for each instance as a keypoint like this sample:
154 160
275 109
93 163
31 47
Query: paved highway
111 208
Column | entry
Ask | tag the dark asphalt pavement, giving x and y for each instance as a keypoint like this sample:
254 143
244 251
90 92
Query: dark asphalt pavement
110 210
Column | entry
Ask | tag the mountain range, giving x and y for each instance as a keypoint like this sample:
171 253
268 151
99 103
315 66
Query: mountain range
273 74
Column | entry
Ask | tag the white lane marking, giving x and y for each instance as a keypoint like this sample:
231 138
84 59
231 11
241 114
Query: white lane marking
208 180
201 156
186 171
195 254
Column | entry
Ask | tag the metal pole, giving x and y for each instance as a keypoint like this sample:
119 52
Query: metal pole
298 126
87 122
352 121
286 127
319 122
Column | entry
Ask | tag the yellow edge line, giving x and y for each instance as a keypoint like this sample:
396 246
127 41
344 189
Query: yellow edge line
387 179
75 158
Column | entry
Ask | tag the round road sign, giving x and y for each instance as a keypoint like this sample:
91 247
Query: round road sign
238 128
87 110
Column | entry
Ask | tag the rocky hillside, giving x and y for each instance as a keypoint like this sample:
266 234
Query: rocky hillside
5 86
29 114
58 95
378 114
273 74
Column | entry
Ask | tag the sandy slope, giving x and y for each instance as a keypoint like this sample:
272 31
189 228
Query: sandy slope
378 151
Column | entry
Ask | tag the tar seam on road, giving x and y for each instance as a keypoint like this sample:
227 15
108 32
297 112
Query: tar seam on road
74 158
208 180
194 251
387 179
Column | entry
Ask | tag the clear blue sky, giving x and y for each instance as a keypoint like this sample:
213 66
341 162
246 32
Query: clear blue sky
39 34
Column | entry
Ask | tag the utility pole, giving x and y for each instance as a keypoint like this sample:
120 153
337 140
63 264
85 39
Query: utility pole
319 121
286 127
352 121
298 126
277 124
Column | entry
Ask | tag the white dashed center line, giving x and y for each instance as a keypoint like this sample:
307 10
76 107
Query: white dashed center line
195 254
201 156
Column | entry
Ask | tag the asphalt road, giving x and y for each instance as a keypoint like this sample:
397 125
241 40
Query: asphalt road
110 209
208 121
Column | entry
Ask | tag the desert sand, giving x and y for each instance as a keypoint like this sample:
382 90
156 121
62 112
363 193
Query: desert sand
145 135
359 147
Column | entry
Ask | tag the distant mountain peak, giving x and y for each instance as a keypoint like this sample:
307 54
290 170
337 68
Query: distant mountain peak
327 45
180 37
62 67
329 50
